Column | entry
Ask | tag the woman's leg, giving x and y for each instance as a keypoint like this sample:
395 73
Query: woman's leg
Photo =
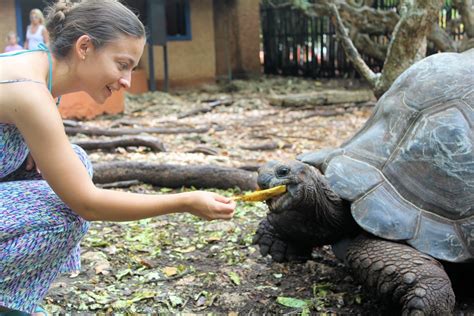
39 237
74 261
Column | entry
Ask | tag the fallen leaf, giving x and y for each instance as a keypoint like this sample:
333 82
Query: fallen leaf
234 277
186 250
170 271
291 302
175 300
74 274
150 264
103 268
212 239
123 273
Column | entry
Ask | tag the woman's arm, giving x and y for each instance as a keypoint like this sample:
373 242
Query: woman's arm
25 46
38 120
45 35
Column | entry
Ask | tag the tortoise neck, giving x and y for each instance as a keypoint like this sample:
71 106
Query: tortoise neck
333 218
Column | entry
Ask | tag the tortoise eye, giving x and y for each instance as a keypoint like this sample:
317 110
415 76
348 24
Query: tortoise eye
282 171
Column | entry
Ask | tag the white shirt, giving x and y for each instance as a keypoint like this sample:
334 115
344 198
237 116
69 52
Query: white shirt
34 39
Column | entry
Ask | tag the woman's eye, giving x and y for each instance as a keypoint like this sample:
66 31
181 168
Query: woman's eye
123 66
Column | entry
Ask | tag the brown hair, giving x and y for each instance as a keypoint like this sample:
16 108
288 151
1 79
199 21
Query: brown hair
103 20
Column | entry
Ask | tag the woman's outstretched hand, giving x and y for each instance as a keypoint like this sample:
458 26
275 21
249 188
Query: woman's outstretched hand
210 206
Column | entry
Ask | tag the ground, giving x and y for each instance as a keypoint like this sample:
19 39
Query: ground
179 263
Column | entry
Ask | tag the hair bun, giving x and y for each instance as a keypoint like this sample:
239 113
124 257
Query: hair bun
61 11
56 17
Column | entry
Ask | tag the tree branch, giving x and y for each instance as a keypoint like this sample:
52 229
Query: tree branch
441 40
109 144
466 10
87 130
408 44
351 52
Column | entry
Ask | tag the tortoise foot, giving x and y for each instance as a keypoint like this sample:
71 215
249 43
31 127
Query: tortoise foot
396 272
270 243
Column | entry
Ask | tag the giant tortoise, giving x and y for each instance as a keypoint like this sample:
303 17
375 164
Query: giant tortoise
396 201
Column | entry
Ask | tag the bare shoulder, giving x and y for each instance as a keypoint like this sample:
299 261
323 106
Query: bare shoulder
31 91
22 99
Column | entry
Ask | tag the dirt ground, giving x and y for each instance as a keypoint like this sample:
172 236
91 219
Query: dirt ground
180 264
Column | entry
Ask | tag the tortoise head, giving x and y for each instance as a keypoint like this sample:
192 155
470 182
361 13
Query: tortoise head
301 182
309 211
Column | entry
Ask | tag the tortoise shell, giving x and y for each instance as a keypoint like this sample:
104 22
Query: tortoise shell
409 172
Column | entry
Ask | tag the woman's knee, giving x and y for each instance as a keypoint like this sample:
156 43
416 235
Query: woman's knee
84 158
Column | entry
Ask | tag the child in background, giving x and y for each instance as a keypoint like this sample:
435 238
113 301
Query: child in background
12 40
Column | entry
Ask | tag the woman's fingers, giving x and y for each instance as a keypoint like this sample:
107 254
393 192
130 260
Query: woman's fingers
213 206
222 199
225 205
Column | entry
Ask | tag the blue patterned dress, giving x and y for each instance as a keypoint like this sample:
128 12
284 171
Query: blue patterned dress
39 234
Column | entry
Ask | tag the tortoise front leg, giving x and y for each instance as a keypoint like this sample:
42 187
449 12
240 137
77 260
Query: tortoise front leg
271 243
401 274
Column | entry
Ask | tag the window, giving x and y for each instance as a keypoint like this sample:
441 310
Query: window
178 20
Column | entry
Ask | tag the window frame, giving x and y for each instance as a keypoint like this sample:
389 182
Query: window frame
187 21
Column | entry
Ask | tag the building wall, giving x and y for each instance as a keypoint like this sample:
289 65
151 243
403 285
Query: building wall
189 62
248 26
7 21
237 37
226 54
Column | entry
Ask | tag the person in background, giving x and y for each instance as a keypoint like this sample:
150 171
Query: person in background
36 32
12 43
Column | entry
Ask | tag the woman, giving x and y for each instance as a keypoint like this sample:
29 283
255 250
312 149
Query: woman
95 45
36 32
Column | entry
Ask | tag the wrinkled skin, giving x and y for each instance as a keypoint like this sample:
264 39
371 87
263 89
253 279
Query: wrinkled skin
310 214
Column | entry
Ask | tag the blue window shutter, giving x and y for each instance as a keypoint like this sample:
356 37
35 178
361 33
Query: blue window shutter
19 22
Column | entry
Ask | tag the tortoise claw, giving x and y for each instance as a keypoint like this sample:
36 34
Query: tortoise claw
270 243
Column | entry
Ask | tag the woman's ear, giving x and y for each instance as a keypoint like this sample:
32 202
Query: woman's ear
83 46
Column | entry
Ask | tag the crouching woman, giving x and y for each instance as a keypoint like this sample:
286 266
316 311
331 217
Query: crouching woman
94 46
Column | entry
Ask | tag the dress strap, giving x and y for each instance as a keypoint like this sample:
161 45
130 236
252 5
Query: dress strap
50 76
41 48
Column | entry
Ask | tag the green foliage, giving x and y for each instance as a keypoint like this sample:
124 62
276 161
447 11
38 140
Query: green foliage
291 302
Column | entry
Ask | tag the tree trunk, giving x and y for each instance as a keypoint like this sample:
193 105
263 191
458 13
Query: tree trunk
175 176
96 131
325 97
408 44
110 144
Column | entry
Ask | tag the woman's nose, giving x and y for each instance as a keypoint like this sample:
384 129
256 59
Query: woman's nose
125 82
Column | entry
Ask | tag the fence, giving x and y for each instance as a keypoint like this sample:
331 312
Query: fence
297 45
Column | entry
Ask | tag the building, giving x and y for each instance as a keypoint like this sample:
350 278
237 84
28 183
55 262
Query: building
206 40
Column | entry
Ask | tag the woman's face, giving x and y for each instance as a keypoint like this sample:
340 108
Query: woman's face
34 19
109 68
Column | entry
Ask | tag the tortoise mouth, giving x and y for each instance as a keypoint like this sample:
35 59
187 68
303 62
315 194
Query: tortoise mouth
279 204
275 203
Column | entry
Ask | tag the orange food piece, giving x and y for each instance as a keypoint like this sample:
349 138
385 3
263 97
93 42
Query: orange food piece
261 195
